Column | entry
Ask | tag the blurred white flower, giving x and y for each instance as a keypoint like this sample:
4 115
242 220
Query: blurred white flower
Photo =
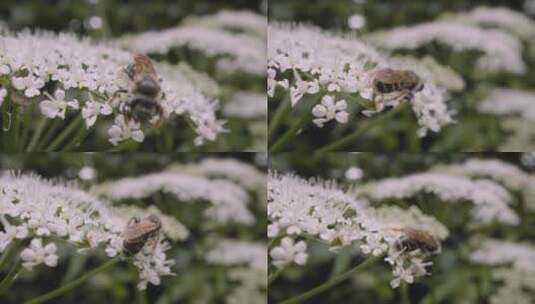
356 21
329 110
529 7
236 252
3 94
503 101
490 199
501 51
57 106
502 17
354 173
87 173
233 20
288 252
37 254
247 105
228 200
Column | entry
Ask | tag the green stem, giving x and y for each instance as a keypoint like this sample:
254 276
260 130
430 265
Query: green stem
25 129
405 293
7 253
77 139
273 276
73 284
366 126
330 283
11 276
282 109
75 123
37 134
45 139
286 137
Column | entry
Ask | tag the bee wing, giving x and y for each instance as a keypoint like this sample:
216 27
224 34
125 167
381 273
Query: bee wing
143 67
140 229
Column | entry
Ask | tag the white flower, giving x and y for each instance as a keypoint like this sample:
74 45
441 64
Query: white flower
235 252
87 173
354 173
289 252
57 106
229 201
92 109
123 130
503 101
3 94
356 22
490 199
37 254
45 208
329 110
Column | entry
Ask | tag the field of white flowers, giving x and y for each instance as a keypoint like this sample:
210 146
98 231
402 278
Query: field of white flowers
63 219
341 228
474 61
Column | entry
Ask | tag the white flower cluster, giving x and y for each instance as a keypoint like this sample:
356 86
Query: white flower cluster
299 208
228 200
235 252
501 17
247 105
248 262
94 72
501 50
238 171
36 209
490 199
234 21
234 51
307 60
514 267
502 101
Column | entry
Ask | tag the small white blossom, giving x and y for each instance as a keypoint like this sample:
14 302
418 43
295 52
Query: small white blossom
92 110
123 130
37 254
288 252
329 110
356 22
57 106
354 173
87 173
3 94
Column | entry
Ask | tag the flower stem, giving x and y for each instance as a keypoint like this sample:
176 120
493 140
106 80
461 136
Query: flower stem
75 123
73 284
286 137
366 126
37 134
273 276
330 283
281 111
11 276
7 253
405 293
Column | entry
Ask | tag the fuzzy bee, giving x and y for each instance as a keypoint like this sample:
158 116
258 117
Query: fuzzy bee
143 103
414 239
394 85
139 232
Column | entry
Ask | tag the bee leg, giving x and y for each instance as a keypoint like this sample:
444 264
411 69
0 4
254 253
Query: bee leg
116 94
379 105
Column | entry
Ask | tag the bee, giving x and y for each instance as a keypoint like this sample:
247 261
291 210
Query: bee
139 232
394 85
414 239
143 102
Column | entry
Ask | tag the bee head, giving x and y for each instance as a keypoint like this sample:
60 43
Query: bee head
154 219
148 86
